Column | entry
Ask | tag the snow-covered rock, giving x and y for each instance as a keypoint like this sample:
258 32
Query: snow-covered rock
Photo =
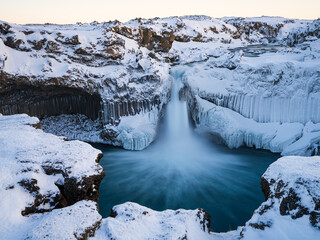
40 172
132 221
292 210
78 221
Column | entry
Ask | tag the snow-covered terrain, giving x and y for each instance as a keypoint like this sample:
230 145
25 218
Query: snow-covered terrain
86 69
40 172
248 81
264 68
291 211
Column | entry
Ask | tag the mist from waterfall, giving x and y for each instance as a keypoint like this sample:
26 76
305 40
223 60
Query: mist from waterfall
184 170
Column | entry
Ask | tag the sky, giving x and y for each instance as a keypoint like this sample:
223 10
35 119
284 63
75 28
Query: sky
72 11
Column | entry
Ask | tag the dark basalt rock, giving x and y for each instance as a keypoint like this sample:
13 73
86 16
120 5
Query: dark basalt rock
74 190
5 28
48 101
52 47
265 188
292 202
113 213
13 43
74 40
31 186
205 219
260 226
38 45
153 41
315 219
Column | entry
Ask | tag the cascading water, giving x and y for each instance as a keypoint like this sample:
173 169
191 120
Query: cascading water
184 170
176 130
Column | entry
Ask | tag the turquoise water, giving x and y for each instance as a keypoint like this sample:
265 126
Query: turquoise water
227 185
184 170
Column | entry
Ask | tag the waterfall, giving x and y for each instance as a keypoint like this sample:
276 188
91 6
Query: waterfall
177 141
177 126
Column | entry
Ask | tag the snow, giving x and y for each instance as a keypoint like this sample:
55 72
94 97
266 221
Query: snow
288 174
68 223
251 87
236 131
25 153
132 133
137 222
137 132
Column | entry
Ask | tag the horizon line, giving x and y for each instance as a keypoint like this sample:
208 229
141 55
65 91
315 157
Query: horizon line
151 18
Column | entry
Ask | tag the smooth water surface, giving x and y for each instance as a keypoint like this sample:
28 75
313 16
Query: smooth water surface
184 170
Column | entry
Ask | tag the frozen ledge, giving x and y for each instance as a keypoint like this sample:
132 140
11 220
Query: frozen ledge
132 133
236 131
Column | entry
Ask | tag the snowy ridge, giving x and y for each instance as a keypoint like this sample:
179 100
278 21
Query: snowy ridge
260 97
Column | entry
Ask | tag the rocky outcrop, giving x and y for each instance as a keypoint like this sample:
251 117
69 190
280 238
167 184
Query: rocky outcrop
130 220
291 189
41 172
79 221
311 33
248 27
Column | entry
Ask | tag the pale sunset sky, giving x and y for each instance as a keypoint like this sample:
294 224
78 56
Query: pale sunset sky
72 11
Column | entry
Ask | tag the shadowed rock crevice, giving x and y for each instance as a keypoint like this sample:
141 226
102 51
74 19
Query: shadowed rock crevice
49 101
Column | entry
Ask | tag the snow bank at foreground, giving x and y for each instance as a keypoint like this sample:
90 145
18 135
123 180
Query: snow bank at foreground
132 221
40 172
